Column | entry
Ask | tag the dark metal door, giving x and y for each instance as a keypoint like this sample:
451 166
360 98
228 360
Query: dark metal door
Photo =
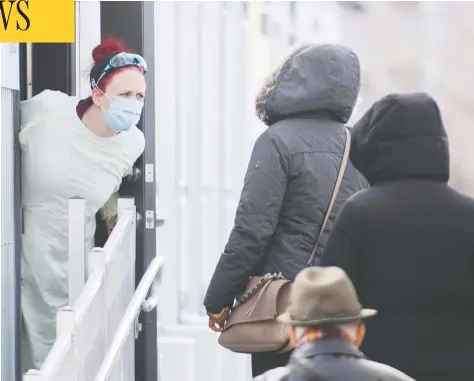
132 21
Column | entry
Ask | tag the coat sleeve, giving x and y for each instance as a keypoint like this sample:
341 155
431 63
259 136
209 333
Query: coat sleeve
255 221
343 248
110 208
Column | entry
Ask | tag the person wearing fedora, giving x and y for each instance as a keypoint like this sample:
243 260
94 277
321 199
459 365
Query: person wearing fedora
325 323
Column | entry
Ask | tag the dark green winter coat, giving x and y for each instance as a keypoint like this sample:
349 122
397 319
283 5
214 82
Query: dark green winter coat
292 170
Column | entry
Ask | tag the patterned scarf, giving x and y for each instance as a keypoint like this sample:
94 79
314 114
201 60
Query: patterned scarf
330 331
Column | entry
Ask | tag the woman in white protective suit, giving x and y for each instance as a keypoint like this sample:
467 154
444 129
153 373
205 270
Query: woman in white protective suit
73 147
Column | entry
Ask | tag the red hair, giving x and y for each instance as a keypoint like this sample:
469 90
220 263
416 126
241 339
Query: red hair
107 47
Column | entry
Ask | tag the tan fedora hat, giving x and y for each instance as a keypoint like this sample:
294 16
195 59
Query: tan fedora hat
323 295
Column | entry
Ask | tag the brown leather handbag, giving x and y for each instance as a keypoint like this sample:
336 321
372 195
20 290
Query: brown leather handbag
251 326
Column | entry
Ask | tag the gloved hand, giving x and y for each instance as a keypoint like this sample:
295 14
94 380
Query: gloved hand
217 321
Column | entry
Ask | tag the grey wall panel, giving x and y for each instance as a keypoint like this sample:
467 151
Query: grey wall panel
61 75
9 279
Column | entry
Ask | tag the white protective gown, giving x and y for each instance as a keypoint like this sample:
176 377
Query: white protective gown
61 158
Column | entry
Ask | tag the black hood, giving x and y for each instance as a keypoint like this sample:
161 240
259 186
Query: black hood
401 136
314 80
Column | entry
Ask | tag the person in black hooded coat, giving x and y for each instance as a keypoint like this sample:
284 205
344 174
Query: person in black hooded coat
291 176
407 242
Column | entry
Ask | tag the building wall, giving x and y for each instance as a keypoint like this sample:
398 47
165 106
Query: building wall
9 99
420 46
211 59
206 65
1 267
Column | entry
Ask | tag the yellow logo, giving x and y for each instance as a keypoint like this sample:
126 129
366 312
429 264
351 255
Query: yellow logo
37 21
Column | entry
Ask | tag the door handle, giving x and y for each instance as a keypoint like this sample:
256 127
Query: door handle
160 218
134 175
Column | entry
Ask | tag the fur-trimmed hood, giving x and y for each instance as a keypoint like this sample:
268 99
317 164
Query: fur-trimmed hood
314 80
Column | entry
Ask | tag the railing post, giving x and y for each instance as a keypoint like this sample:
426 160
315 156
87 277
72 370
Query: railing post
77 247
64 320
125 203
33 375
96 259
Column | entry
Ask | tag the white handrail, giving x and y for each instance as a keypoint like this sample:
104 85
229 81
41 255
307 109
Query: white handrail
103 290
88 293
151 276
66 334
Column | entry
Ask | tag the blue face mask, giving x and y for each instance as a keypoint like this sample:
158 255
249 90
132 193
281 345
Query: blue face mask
123 113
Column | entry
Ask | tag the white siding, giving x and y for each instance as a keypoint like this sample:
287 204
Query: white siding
211 58
203 120
8 116
87 38
1 267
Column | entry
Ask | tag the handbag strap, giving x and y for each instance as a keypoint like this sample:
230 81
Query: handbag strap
337 185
